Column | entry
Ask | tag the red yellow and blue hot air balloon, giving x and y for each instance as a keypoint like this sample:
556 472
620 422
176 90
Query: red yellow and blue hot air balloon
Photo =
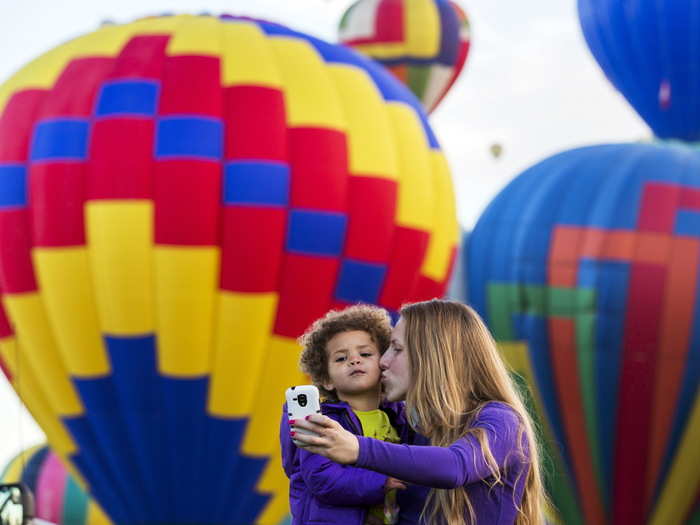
179 198
424 43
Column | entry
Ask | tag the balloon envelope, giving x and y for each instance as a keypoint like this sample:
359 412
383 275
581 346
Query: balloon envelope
586 269
649 51
424 43
180 198
58 496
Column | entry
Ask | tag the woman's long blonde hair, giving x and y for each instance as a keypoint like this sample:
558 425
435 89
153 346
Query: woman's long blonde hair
456 370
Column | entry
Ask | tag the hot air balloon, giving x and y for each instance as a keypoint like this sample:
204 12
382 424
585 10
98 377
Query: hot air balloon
649 50
496 150
58 497
424 43
586 268
180 198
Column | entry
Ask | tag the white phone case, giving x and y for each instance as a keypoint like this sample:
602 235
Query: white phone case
302 401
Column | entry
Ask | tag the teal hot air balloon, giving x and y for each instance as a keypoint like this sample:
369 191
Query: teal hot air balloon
586 268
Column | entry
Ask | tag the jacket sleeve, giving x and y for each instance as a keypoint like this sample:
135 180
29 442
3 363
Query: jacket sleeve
446 467
335 484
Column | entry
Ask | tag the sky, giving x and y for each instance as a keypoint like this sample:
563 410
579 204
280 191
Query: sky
530 84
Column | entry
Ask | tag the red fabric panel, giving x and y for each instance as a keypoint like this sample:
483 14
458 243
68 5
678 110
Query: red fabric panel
252 247
17 124
57 194
371 211
306 287
76 89
390 21
120 159
318 162
187 195
407 254
658 207
639 359
255 123
191 86
428 288
142 57
16 271
690 199
5 328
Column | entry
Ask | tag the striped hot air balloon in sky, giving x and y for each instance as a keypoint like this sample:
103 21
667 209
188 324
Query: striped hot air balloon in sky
586 267
58 497
424 43
180 197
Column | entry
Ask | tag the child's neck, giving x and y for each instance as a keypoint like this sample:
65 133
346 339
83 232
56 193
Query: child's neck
363 401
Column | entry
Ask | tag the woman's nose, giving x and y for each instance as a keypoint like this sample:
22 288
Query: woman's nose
384 361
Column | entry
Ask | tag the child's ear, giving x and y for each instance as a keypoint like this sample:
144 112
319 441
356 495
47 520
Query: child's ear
328 386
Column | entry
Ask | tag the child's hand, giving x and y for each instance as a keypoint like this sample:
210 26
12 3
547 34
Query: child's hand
393 483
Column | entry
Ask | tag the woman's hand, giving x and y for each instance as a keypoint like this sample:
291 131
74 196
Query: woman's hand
332 440
393 483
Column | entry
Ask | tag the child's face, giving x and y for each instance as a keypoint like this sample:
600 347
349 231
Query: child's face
353 363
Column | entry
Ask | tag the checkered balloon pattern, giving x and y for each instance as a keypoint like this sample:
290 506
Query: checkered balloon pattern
180 197
586 269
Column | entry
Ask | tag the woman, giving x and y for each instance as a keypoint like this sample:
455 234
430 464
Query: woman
483 466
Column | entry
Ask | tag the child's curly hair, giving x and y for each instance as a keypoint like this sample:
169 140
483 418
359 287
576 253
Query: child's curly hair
314 361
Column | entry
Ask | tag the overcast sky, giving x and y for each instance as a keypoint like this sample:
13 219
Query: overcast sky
530 84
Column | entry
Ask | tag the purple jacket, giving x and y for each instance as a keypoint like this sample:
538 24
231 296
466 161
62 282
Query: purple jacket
462 465
324 492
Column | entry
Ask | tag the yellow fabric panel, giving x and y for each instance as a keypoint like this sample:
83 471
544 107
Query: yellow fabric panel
280 371
186 280
195 35
273 481
32 328
310 97
445 231
255 66
13 471
120 242
29 390
66 288
416 192
95 515
387 50
422 28
684 478
42 72
370 140
243 326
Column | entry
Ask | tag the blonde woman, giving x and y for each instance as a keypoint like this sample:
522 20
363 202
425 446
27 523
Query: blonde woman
483 463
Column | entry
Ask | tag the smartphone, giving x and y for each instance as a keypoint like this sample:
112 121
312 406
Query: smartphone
302 400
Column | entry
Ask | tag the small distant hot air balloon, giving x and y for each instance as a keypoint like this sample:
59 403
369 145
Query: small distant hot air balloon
496 150
424 43
649 50
58 496
180 197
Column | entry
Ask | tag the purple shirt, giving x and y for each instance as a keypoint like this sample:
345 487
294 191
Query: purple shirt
462 465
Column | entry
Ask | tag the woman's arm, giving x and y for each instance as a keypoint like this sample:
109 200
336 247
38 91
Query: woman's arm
441 467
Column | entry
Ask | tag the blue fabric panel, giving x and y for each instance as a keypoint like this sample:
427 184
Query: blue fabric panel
449 38
189 137
688 223
13 185
256 182
316 232
610 279
32 468
60 139
128 97
360 281
106 485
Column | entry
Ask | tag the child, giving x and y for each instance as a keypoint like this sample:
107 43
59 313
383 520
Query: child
341 354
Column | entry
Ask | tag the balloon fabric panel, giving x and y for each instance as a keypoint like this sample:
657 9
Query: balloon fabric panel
181 197
589 259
